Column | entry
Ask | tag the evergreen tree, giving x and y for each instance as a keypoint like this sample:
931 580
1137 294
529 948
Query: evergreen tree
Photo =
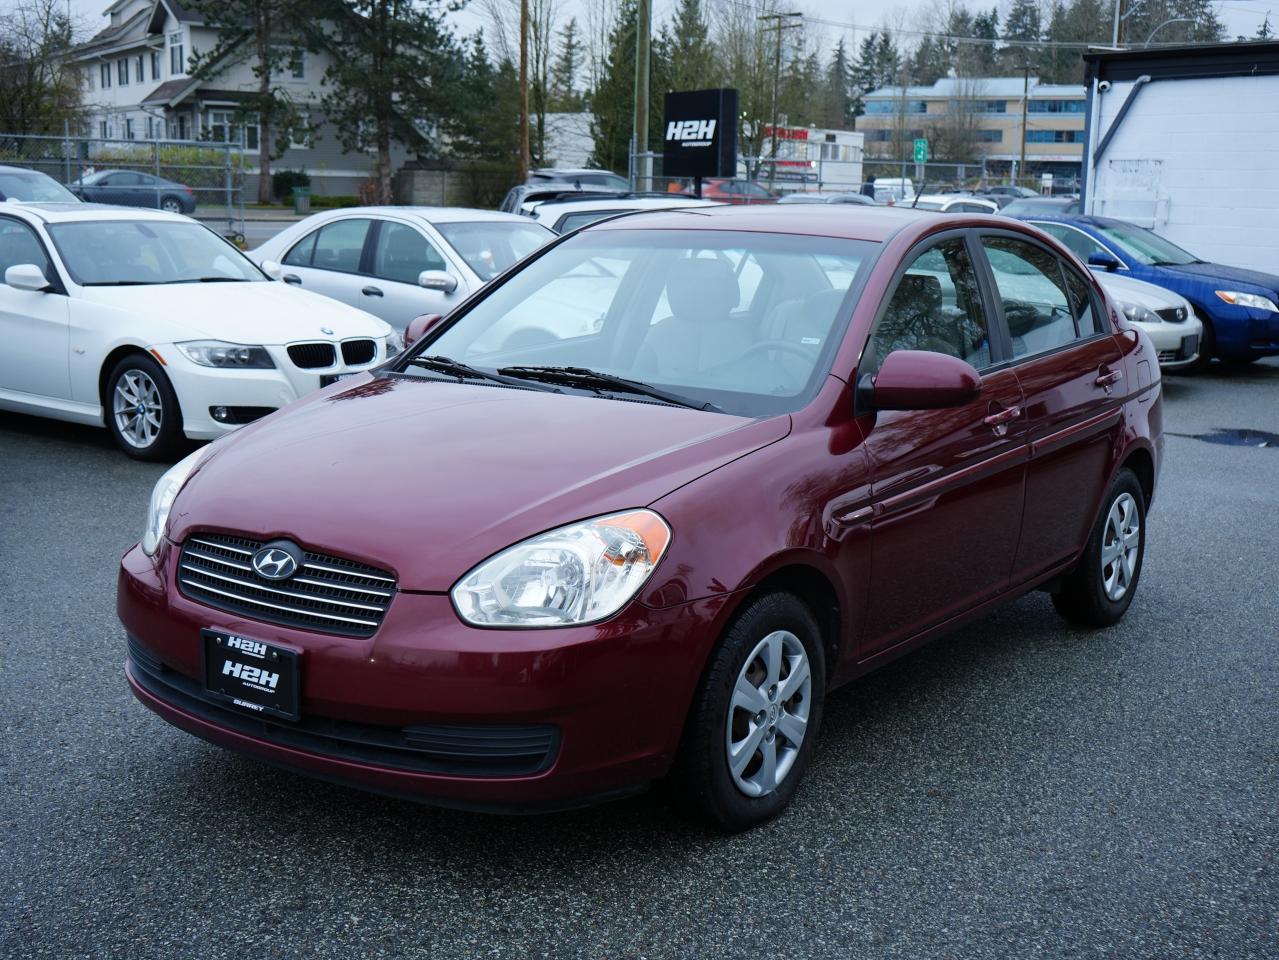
1265 32
688 49
1022 30
837 108
613 99
566 70
983 57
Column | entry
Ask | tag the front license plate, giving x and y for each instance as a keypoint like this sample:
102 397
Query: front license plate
327 379
250 674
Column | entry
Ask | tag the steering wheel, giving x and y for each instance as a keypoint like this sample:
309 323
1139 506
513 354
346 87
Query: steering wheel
786 346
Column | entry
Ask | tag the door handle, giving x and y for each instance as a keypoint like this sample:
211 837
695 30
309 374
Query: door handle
1108 378
371 292
292 278
1006 415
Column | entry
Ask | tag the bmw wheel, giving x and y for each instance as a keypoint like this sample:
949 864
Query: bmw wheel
142 410
1098 592
751 730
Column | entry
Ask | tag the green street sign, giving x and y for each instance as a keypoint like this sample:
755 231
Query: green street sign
921 151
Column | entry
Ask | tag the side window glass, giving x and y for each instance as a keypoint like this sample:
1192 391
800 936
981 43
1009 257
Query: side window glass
18 245
1080 244
936 306
1030 284
339 245
1086 319
300 254
402 253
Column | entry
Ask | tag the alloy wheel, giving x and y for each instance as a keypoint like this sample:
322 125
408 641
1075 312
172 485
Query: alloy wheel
768 714
138 409
1120 547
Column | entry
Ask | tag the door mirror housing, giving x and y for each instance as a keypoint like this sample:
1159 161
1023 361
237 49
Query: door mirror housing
440 280
418 327
272 269
923 380
1102 259
27 276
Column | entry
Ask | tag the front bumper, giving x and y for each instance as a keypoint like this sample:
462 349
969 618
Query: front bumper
1177 344
615 695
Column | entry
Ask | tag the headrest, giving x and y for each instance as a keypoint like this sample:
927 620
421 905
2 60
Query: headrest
404 244
702 289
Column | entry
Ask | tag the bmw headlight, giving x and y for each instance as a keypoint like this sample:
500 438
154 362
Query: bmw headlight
1254 300
234 356
162 497
1139 314
581 573
394 343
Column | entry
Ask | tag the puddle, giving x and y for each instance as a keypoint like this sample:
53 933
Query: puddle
1236 438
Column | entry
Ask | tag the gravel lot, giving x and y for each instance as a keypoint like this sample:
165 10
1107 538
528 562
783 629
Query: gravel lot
1020 789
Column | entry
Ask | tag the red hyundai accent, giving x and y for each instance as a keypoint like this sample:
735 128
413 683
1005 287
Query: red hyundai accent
773 449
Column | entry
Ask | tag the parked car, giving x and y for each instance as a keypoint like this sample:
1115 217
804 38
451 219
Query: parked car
400 262
1029 208
952 203
816 196
131 188
580 176
800 443
523 198
737 192
1167 318
156 327
32 186
1009 190
563 214
893 190
1239 308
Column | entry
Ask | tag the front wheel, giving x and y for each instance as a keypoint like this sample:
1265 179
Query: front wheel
751 730
142 410
171 205
1099 590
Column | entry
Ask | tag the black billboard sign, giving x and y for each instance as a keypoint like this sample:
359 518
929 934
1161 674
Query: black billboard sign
701 134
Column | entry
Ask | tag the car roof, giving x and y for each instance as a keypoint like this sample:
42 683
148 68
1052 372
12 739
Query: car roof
431 214
622 202
14 168
851 221
64 212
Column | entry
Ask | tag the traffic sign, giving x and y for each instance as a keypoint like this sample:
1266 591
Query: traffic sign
921 150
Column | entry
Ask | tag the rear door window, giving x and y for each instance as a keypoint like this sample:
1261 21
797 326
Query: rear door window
1029 280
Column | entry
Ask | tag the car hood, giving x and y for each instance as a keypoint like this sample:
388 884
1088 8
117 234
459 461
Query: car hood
1217 273
429 477
266 313
1148 295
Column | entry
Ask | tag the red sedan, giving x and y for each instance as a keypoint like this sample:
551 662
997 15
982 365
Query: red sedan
737 192
523 572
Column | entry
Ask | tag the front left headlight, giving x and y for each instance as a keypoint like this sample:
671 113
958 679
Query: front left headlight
1139 314
394 343
165 492
232 356
1254 300
576 574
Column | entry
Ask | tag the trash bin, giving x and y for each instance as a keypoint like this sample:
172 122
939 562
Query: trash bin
302 200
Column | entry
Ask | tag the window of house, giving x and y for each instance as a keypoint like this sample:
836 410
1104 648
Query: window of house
139 67
990 136
102 130
104 72
128 128
221 126
155 64
88 79
122 72
1056 106
1054 136
177 55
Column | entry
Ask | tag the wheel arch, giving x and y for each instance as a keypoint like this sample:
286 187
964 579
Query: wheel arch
818 593
1142 463
109 362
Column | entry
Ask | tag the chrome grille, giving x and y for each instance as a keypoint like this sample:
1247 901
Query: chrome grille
328 594
355 352
310 356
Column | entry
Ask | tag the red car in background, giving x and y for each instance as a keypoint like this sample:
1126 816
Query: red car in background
527 574
737 191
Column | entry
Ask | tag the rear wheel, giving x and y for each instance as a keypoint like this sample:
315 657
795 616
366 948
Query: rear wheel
142 410
171 205
751 730
1099 591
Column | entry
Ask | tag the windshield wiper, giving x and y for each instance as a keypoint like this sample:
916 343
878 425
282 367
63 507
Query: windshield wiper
211 280
122 283
456 368
596 380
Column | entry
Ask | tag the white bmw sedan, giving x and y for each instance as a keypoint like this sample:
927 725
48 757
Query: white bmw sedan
152 325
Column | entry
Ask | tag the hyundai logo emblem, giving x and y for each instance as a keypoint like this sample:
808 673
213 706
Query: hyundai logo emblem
274 562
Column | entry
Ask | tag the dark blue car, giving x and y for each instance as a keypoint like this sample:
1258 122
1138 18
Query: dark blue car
1239 308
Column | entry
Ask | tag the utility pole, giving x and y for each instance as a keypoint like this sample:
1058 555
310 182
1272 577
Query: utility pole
1025 97
524 154
778 23
1114 37
639 125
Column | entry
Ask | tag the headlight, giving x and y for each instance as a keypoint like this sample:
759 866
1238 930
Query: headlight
394 343
577 574
236 356
162 497
1254 300
1139 314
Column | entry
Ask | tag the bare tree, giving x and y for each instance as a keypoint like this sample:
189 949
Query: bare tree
746 62
543 17
39 87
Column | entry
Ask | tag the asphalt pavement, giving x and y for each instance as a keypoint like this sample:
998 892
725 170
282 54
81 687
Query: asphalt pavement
1019 789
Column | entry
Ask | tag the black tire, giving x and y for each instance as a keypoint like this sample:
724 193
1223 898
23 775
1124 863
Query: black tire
1207 350
171 204
703 767
1083 598
168 437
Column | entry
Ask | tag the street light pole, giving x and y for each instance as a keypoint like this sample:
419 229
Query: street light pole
1152 33
1114 37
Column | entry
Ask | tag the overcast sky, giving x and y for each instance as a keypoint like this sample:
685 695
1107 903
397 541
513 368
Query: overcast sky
1240 16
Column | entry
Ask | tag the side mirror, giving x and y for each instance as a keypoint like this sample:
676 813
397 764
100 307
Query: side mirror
440 280
923 380
1103 259
418 327
26 276
272 269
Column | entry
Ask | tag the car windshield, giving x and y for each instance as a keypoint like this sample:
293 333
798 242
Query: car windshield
1146 247
489 247
100 253
33 187
746 322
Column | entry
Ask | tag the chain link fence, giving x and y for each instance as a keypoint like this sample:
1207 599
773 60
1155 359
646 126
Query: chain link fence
204 179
